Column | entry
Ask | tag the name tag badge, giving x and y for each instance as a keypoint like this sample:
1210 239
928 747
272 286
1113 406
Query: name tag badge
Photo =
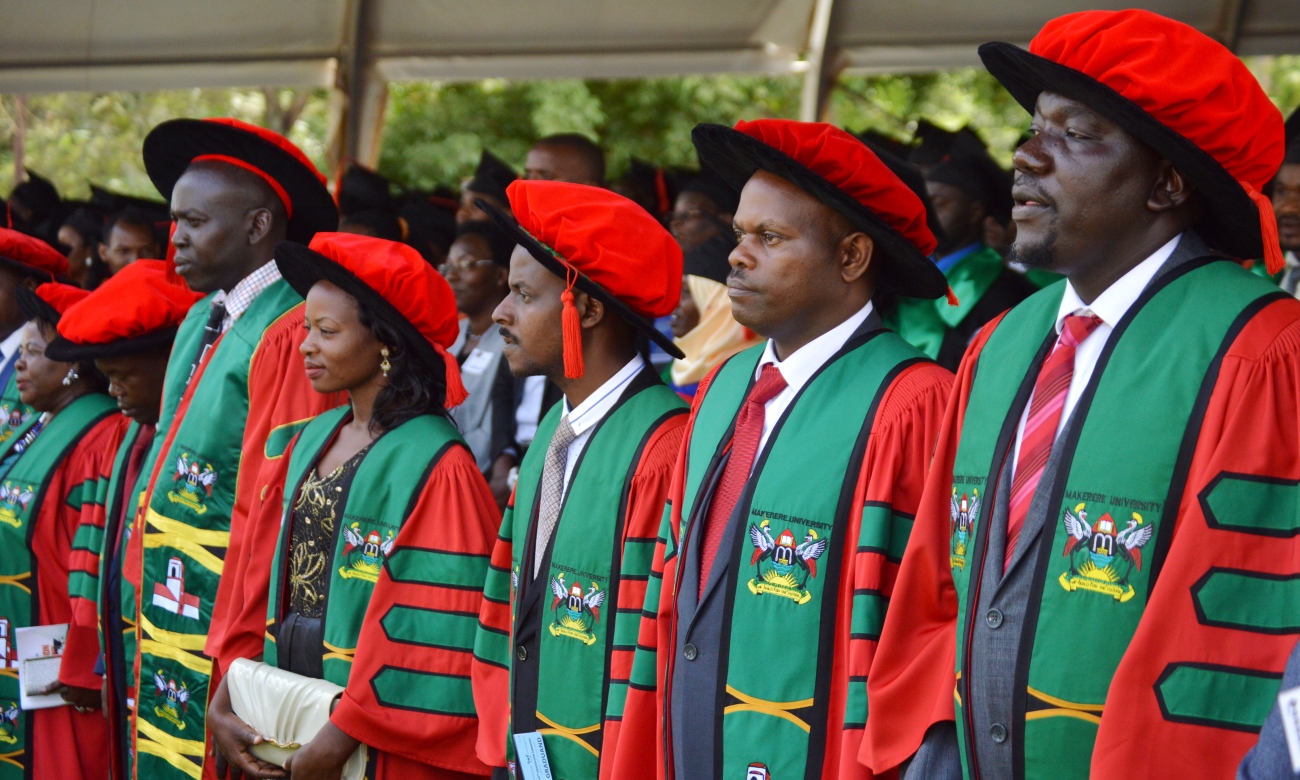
476 363
530 757
1288 702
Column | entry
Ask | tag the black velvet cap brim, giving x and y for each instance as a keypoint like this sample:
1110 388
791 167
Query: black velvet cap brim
66 351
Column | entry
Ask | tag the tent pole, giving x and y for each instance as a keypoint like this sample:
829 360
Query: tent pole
812 99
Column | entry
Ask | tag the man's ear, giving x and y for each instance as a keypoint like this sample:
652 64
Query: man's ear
259 225
1171 190
591 312
854 256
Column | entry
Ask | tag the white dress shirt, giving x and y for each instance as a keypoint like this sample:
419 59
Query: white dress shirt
800 365
242 295
584 417
1110 306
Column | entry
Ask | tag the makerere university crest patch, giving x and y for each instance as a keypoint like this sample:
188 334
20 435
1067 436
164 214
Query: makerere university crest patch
576 612
1101 557
783 568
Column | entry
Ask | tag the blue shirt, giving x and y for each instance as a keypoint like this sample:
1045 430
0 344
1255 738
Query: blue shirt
948 261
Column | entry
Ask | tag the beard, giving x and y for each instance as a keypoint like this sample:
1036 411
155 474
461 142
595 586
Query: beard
1034 256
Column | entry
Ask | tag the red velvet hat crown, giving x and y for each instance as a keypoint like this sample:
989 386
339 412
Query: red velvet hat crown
847 163
384 275
607 238
30 254
136 301
1176 89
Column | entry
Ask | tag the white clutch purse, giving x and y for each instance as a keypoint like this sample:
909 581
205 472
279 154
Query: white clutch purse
287 709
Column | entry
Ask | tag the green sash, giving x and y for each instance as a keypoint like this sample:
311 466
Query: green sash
21 495
16 417
1127 465
581 624
384 490
788 560
187 531
924 323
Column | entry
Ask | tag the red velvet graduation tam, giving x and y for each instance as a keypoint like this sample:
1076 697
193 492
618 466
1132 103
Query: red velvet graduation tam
172 146
843 173
49 301
391 281
603 244
30 255
137 309
1179 91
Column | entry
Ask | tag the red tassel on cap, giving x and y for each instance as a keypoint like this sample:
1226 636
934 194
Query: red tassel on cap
456 393
952 298
1273 259
571 330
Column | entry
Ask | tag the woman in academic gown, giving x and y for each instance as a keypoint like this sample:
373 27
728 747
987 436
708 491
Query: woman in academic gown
366 564
48 477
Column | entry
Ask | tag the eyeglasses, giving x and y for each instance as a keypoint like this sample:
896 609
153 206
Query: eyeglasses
462 266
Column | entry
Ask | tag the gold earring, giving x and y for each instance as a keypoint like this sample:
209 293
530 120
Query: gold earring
384 365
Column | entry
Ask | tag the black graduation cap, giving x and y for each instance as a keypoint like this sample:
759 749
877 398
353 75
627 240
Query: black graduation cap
713 187
109 202
1292 132
936 144
978 176
428 222
492 177
881 142
38 194
362 189
709 259
649 185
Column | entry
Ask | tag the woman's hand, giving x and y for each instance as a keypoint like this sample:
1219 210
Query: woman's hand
499 479
81 699
233 738
323 758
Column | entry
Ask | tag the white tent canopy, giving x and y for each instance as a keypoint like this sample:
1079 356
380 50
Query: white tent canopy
358 46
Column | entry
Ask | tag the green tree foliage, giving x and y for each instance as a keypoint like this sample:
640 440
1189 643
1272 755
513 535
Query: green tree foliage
76 139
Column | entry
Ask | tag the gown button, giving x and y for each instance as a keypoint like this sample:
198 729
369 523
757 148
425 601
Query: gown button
690 652
521 653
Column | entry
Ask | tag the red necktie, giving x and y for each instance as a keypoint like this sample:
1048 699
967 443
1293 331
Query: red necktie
1045 409
744 447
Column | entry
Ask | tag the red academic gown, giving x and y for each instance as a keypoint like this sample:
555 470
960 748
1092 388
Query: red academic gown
651 479
67 744
893 468
279 394
1251 427
456 513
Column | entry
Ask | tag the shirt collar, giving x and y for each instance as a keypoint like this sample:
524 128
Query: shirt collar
593 409
242 295
1116 300
800 365
947 262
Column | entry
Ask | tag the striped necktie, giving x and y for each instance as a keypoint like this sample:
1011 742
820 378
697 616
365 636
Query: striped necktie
1044 418
548 513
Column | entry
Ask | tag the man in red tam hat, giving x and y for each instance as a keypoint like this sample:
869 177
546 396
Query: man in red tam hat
25 261
234 396
568 577
799 476
1092 584
126 327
